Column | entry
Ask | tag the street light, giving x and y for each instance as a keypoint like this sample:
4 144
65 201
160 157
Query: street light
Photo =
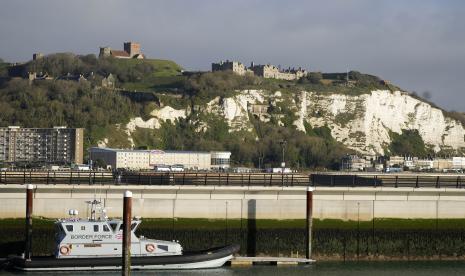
260 153
283 145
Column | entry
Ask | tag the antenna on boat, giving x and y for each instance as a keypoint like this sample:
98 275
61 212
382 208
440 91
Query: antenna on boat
97 212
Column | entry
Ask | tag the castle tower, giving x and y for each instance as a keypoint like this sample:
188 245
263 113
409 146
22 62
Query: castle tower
132 48
104 52
37 56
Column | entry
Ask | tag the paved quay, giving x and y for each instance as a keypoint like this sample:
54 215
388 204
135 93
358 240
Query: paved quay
236 202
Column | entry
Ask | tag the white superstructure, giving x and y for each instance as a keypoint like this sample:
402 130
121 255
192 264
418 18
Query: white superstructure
98 236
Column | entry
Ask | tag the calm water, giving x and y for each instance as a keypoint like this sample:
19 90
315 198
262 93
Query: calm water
322 268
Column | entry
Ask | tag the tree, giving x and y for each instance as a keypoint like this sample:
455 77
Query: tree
313 78
409 142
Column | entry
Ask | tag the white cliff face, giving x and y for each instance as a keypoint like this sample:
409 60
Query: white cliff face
168 113
362 122
159 115
235 109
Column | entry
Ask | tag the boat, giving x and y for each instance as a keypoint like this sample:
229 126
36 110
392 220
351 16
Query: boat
95 243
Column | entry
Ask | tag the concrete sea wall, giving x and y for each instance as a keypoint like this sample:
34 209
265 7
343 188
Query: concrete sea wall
219 202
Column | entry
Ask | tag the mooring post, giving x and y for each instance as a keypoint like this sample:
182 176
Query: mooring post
309 222
127 210
28 244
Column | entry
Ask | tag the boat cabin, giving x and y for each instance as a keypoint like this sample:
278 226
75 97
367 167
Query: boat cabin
99 236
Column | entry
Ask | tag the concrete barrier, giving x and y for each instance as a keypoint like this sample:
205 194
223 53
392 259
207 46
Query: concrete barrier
219 202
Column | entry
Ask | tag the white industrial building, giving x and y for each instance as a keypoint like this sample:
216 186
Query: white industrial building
458 162
148 159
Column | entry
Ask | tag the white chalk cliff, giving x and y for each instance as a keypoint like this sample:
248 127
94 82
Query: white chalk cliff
361 122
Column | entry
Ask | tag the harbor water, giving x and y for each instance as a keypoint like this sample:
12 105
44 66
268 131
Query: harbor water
423 268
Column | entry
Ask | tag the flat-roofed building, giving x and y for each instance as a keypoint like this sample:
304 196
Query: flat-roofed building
458 162
148 159
122 158
191 160
354 163
58 145
220 160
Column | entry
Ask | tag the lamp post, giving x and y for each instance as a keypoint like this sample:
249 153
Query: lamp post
260 153
260 161
283 145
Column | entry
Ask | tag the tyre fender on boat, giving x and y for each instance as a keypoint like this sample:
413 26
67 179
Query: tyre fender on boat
150 247
64 250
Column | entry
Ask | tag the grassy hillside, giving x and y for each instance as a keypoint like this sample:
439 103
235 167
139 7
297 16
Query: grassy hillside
104 113
136 72
165 74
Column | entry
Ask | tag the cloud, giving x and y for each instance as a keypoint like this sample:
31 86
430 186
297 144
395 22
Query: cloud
416 44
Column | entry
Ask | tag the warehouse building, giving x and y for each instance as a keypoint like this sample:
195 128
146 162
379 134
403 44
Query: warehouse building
58 145
148 159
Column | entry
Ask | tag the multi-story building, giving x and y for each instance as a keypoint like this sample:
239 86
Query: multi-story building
148 159
395 161
58 145
424 164
354 163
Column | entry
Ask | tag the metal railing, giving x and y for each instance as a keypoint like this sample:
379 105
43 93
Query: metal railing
387 180
56 177
217 179
232 179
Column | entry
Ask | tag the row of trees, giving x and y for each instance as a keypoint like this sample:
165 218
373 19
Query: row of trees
259 147
69 103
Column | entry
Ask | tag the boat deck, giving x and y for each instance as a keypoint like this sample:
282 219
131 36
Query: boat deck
279 261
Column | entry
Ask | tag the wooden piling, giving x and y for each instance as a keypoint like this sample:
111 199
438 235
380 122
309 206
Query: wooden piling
127 210
309 222
28 242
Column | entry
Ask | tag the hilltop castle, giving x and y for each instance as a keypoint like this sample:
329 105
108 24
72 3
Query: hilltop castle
265 71
131 50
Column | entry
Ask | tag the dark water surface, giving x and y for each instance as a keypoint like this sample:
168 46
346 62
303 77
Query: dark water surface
395 268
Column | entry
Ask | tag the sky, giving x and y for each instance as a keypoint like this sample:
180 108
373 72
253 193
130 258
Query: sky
417 44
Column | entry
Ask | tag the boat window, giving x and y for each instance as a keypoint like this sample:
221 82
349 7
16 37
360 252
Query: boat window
83 228
133 225
106 229
113 226
69 228
163 247
95 228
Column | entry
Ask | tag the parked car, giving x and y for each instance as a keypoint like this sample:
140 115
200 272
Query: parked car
162 168
177 168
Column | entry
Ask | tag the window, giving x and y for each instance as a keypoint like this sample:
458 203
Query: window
95 228
113 226
69 228
133 226
83 228
163 247
106 229
220 161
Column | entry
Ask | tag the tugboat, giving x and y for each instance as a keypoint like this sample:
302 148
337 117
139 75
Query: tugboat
95 243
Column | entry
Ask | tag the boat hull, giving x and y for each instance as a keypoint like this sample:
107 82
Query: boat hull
211 258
